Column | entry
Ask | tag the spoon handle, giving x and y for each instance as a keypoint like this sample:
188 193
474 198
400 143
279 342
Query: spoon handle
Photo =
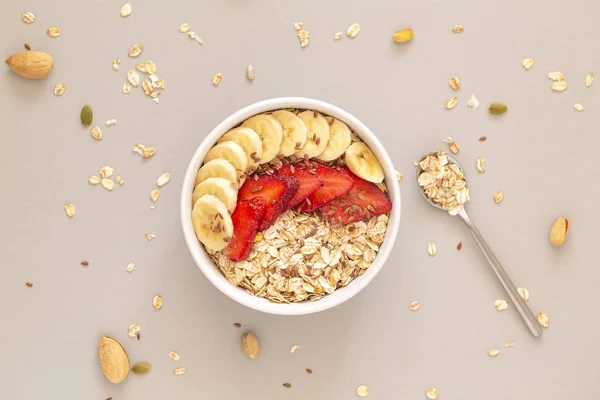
530 320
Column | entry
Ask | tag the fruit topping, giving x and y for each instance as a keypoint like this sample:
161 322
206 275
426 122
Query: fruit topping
246 219
335 184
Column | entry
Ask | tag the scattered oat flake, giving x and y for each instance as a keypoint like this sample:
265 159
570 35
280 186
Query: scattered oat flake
125 10
431 249
107 171
458 29
524 293
414 306
119 180
493 352
145 152
149 236
578 107
432 393
362 391
303 37
353 30
111 122
130 267
94 180
135 50
498 196
107 184
500 305
28 17
527 63
53 32
163 179
298 25
398 175
126 88
508 344
216 79
454 82
473 103
70 210
480 164
179 371
250 72
556 76
453 146
174 355
589 80
147 86
157 302
133 77
60 89
183 28
543 319
287 385
133 330
154 195
559 86
451 102
96 132
115 64
294 348
338 35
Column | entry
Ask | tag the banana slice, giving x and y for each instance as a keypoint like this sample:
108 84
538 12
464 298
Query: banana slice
270 132
218 167
212 222
340 138
219 187
232 152
317 134
362 162
294 132
248 140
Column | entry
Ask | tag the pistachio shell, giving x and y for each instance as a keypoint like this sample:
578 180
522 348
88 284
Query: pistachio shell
31 64
559 232
113 359
250 345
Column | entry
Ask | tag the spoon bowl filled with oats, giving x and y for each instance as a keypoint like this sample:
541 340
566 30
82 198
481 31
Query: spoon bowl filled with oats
443 184
290 206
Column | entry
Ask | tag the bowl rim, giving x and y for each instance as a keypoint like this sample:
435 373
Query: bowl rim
212 272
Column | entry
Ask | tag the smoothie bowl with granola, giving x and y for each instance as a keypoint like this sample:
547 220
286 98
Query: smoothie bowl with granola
290 206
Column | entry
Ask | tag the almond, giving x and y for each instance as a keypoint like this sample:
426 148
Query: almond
31 64
250 345
113 359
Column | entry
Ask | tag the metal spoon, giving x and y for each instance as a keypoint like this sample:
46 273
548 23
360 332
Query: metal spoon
530 320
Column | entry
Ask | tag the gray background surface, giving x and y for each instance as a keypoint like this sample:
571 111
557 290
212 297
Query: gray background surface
542 154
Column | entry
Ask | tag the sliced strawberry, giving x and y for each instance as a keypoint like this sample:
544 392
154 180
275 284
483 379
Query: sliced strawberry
364 201
335 184
246 218
276 191
308 182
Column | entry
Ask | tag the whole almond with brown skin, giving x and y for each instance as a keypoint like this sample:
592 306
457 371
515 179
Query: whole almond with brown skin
113 359
31 64
250 345
559 232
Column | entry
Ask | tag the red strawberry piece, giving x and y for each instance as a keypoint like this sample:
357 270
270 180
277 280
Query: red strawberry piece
246 218
276 191
309 182
335 184
364 201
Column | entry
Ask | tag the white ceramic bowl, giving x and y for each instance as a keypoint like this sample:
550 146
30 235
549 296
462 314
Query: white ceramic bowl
238 294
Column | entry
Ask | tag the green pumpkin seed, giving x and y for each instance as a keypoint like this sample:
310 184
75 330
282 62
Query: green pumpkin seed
86 115
141 368
497 108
